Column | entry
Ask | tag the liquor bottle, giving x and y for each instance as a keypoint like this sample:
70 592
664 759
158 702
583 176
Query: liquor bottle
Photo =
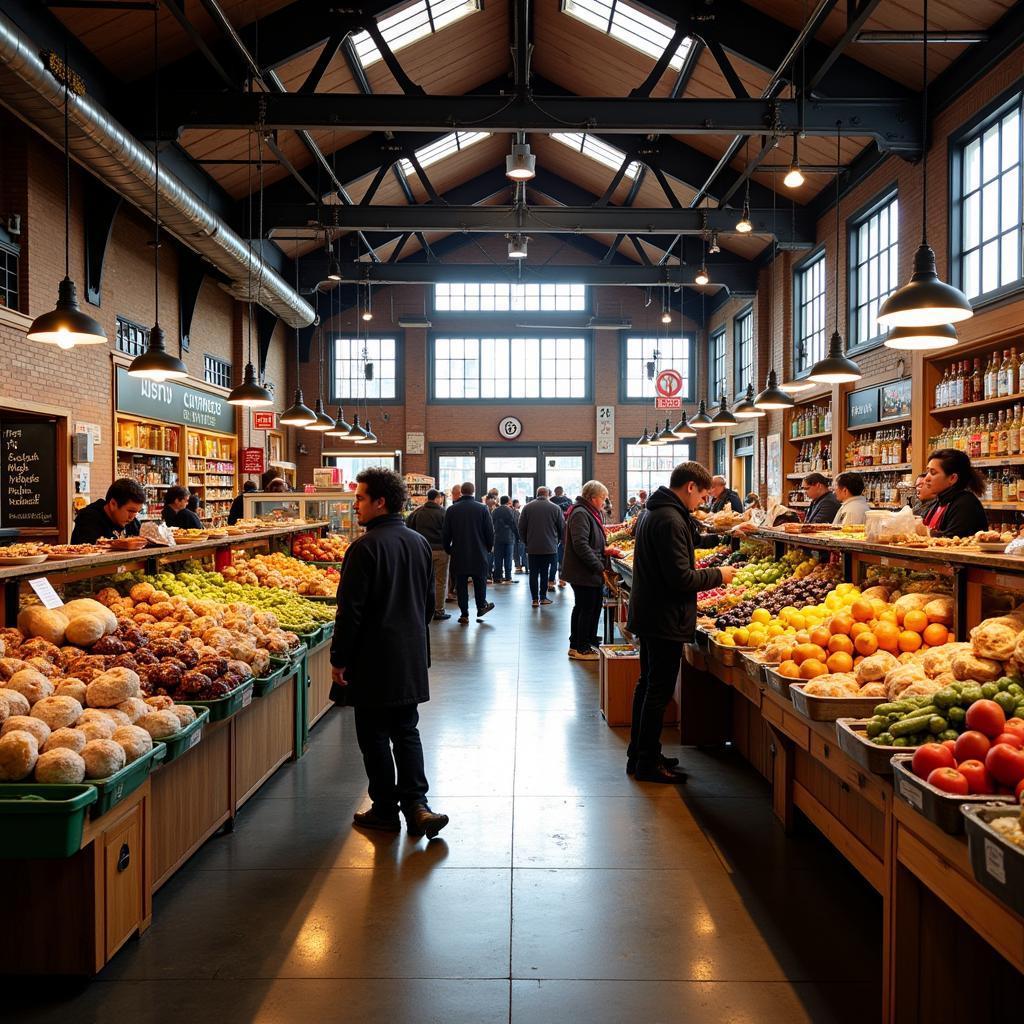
991 377
1001 434
940 390
1011 376
1013 434
1020 377
976 383
961 382
974 444
1011 486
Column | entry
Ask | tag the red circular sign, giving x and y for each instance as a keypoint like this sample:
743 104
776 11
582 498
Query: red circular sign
669 383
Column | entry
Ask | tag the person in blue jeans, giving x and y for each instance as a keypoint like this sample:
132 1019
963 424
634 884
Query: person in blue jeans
564 502
519 549
506 536
541 525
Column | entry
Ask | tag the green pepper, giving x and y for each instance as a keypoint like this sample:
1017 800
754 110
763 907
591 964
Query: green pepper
945 698
989 690
949 734
969 695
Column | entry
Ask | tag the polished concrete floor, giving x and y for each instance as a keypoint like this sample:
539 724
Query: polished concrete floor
561 891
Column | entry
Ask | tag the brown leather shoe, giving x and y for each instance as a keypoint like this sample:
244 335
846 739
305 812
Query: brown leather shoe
422 821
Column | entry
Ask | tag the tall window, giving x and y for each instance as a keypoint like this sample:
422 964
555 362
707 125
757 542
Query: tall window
717 382
719 456
495 369
809 328
414 21
987 235
8 276
743 350
874 268
130 338
647 357
364 368
649 467
508 298
216 371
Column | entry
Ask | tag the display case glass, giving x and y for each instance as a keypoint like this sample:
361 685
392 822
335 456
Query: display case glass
334 507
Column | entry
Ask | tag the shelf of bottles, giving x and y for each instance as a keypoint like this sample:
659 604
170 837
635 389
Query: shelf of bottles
211 472
990 380
149 453
995 435
813 422
889 447
813 457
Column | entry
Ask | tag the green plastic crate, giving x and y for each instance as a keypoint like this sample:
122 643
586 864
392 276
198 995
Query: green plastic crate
188 737
326 565
328 630
264 684
322 598
42 821
228 705
111 791
311 639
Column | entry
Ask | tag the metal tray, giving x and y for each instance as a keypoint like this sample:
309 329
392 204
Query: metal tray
777 684
998 864
829 709
940 808
757 670
853 740
728 656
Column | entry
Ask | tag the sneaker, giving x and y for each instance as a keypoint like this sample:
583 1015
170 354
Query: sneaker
536 604
587 655
551 586
463 620
544 600
481 612
561 583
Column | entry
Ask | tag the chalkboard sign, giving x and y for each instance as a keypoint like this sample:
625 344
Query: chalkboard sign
28 474
862 407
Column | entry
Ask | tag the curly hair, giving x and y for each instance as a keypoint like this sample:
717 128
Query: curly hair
384 483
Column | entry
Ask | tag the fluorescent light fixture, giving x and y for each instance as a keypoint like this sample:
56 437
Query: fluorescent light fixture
454 142
629 25
609 323
412 23
596 150
414 321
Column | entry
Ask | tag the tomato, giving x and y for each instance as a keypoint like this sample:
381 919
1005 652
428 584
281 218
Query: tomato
1011 739
971 746
950 745
1015 725
986 716
930 756
949 780
1019 791
977 778
1005 764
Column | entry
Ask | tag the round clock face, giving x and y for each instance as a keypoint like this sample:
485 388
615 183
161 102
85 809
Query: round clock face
510 428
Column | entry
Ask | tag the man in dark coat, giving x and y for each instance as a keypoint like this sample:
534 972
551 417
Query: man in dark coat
468 537
506 536
428 522
824 504
116 515
381 652
723 496
663 611
542 526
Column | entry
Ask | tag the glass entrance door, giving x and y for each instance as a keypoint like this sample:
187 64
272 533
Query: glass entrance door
521 487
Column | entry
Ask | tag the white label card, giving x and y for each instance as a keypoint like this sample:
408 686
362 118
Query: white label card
911 794
45 592
994 863
247 698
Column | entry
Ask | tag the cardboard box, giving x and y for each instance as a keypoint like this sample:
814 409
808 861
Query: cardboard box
617 680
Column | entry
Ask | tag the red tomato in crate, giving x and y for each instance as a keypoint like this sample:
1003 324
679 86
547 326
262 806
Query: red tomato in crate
1005 764
1019 791
949 780
986 716
929 757
1011 739
971 746
950 745
978 781
1016 726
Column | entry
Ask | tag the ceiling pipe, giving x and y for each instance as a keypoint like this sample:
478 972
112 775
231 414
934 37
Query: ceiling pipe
107 149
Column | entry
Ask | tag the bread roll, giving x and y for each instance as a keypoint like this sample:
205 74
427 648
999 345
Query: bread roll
17 702
160 724
60 765
102 758
32 683
134 740
71 739
57 712
18 754
24 723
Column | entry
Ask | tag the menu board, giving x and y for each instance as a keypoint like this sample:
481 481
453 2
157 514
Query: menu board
862 407
28 474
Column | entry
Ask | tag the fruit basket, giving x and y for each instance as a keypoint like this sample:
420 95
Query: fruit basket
853 740
777 683
757 671
228 705
829 709
42 821
939 807
998 864
113 789
726 655
188 737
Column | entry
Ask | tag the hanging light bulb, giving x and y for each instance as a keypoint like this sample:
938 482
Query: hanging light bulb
666 313
714 248
922 339
517 247
745 409
773 397
723 416
702 276
250 392
368 436
666 317
645 439
321 422
744 225
298 414
341 426
682 429
702 421
334 271
794 177
520 164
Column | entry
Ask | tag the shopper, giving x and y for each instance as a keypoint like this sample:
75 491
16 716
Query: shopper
112 516
455 494
176 512
853 510
663 611
723 496
918 505
751 501
632 507
428 522
520 547
584 565
541 525
951 486
380 653
468 537
237 510
506 536
564 502
277 486
824 505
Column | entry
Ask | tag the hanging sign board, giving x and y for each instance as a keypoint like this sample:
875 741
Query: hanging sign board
668 384
605 429
264 420
661 402
28 483
174 403
253 460
862 407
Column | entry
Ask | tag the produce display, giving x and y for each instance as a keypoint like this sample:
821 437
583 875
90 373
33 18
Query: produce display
1011 829
330 548
279 570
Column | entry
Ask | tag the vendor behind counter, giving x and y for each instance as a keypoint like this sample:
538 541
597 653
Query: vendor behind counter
950 488
116 515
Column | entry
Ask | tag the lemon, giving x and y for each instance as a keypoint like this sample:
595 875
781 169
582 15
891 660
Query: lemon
761 615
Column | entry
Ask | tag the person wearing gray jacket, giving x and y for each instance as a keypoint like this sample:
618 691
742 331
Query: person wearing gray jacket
541 526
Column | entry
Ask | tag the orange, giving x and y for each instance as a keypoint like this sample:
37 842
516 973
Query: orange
900 612
935 634
812 668
909 640
861 610
842 622
916 621
859 627
840 644
803 652
789 669
858 660
866 644
887 615
802 637
839 662
785 654
888 634
878 606
820 636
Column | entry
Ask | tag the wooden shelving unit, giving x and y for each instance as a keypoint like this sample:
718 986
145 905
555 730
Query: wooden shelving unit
212 471
902 467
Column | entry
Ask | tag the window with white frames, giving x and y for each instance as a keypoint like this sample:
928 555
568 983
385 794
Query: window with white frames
497 369
629 25
717 382
596 150
874 268
987 231
649 467
743 350
661 354
453 143
414 21
509 298
809 318
351 356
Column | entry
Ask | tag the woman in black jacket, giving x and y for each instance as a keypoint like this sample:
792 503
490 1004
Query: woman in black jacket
176 512
951 486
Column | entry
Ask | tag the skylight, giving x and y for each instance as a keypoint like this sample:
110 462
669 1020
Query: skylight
410 24
596 150
452 143
629 25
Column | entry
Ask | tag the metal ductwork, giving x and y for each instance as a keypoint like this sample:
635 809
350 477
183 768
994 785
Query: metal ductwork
116 157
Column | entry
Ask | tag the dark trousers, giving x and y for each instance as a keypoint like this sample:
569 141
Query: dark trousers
520 554
479 592
586 613
556 565
502 561
541 566
659 668
389 740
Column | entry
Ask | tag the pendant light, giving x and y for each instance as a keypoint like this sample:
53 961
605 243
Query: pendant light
723 417
926 300
794 176
836 367
520 164
744 225
645 439
323 422
66 325
702 421
682 429
368 308
341 426
666 313
368 437
745 409
773 397
517 247
922 339
658 436
714 248
333 266
298 414
355 431
795 386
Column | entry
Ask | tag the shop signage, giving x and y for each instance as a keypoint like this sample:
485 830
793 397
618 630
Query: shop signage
605 429
862 407
663 402
264 420
173 403
253 460
510 427
28 483
896 399
414 442
44 591
669 384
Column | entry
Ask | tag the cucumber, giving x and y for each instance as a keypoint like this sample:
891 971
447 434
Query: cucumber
937 724
892 707
900 741
884 739
875 728
1007 702
949 734
909 726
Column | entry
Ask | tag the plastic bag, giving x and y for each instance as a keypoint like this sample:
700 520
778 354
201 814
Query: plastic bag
891 523
158 533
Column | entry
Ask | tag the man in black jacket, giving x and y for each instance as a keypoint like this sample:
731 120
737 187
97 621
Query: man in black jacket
824 504
381 652
663 611
468 537
237 510
116 515
723 496
428 522
506 537
542 526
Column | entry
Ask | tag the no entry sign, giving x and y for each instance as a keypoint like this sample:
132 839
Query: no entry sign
669 383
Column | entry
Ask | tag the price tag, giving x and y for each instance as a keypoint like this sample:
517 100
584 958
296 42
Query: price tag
194 739
247 698
883 560
45 592
994 863
911 794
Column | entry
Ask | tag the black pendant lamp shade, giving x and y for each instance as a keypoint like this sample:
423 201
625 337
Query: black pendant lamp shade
925 300
322 423
298 414
156 363
645 439
250 392
723 417
702 421
341 428
745 409
66 325
683 429
355 431
922 339
369 437
773 397
836 367
663 436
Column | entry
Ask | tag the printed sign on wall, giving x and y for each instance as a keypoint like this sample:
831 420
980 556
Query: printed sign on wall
605 429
